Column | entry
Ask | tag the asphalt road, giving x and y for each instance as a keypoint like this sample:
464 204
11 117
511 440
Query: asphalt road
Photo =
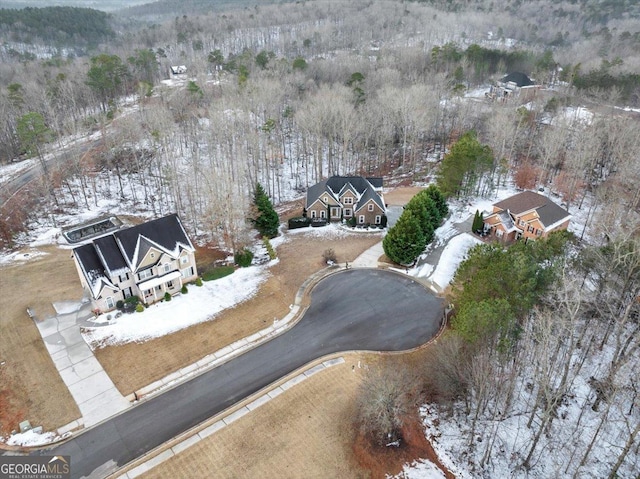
350 310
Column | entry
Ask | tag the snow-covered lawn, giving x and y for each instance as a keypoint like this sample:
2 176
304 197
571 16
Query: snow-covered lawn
198 305
31 438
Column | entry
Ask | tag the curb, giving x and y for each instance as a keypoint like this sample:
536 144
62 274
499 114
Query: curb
174 446
174 379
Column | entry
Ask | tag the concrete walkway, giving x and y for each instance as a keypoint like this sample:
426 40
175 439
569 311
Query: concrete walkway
90 386
369 259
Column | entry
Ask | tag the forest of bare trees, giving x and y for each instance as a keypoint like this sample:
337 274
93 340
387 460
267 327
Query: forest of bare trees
284 95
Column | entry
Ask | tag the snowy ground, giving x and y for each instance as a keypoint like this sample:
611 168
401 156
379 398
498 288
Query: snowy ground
31 438
198 305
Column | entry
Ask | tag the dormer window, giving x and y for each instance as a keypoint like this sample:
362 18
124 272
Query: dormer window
348 200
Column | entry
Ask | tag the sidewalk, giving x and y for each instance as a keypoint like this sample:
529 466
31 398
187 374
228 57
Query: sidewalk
90 386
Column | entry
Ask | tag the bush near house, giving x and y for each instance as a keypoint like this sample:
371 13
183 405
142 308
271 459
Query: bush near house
298 222
198 281
243 258
184 289
139 308
167 296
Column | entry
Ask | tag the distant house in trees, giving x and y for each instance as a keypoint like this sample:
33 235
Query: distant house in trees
178 69
345 197
526 215
147 260
511 85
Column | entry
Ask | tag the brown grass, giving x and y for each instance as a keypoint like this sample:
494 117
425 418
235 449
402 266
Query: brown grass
401 196
304 433
35 389
300 257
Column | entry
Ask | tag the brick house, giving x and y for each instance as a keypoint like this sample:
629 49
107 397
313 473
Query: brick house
343 197
526 215
147 260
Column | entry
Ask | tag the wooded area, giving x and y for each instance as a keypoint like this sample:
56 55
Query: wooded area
284 95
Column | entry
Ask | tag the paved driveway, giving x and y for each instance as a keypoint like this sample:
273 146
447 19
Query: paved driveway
358 309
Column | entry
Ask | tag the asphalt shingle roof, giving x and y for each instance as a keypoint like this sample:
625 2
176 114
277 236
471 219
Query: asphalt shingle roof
548 212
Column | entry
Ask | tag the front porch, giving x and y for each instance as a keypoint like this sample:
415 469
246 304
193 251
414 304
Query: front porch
154 289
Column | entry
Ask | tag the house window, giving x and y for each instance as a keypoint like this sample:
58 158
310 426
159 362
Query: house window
110 303
335 212
127 293
325 199
521 223
145 274
530 229
378 218
538 232
323 214
499 233
348 200
152 255
313 213
370 207
184 259
167 267
361 219
187 273
347 212
169 284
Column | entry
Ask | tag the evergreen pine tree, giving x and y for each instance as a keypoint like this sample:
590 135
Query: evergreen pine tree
266 221
405 241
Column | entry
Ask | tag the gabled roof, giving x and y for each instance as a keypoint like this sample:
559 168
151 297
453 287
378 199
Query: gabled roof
519 78
109 253
548 212
92 268
166 233
122 250
368 195
337 185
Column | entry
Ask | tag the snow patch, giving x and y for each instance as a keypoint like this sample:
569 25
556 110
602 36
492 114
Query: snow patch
31 438
452 255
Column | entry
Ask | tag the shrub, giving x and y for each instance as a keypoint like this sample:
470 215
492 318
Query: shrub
243 258
198 281
167 296
216 273
184 289
119 304
132 300
139 308
299 222
329 256
352 222
270 250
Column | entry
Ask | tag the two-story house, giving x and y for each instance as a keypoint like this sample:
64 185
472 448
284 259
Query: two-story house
526 215
345 197
147 260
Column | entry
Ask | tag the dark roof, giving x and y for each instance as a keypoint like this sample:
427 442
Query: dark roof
109 252
166 232
314 192
364 187
370 194
336 183
88 258
519 78
547 210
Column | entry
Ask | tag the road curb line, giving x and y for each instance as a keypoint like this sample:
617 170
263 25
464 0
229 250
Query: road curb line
221 420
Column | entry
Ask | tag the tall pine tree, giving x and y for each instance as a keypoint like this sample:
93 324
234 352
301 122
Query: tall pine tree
405 240
266 220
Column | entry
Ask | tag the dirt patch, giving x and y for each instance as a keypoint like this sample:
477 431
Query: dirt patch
304 432
300 257
381 461
33 387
